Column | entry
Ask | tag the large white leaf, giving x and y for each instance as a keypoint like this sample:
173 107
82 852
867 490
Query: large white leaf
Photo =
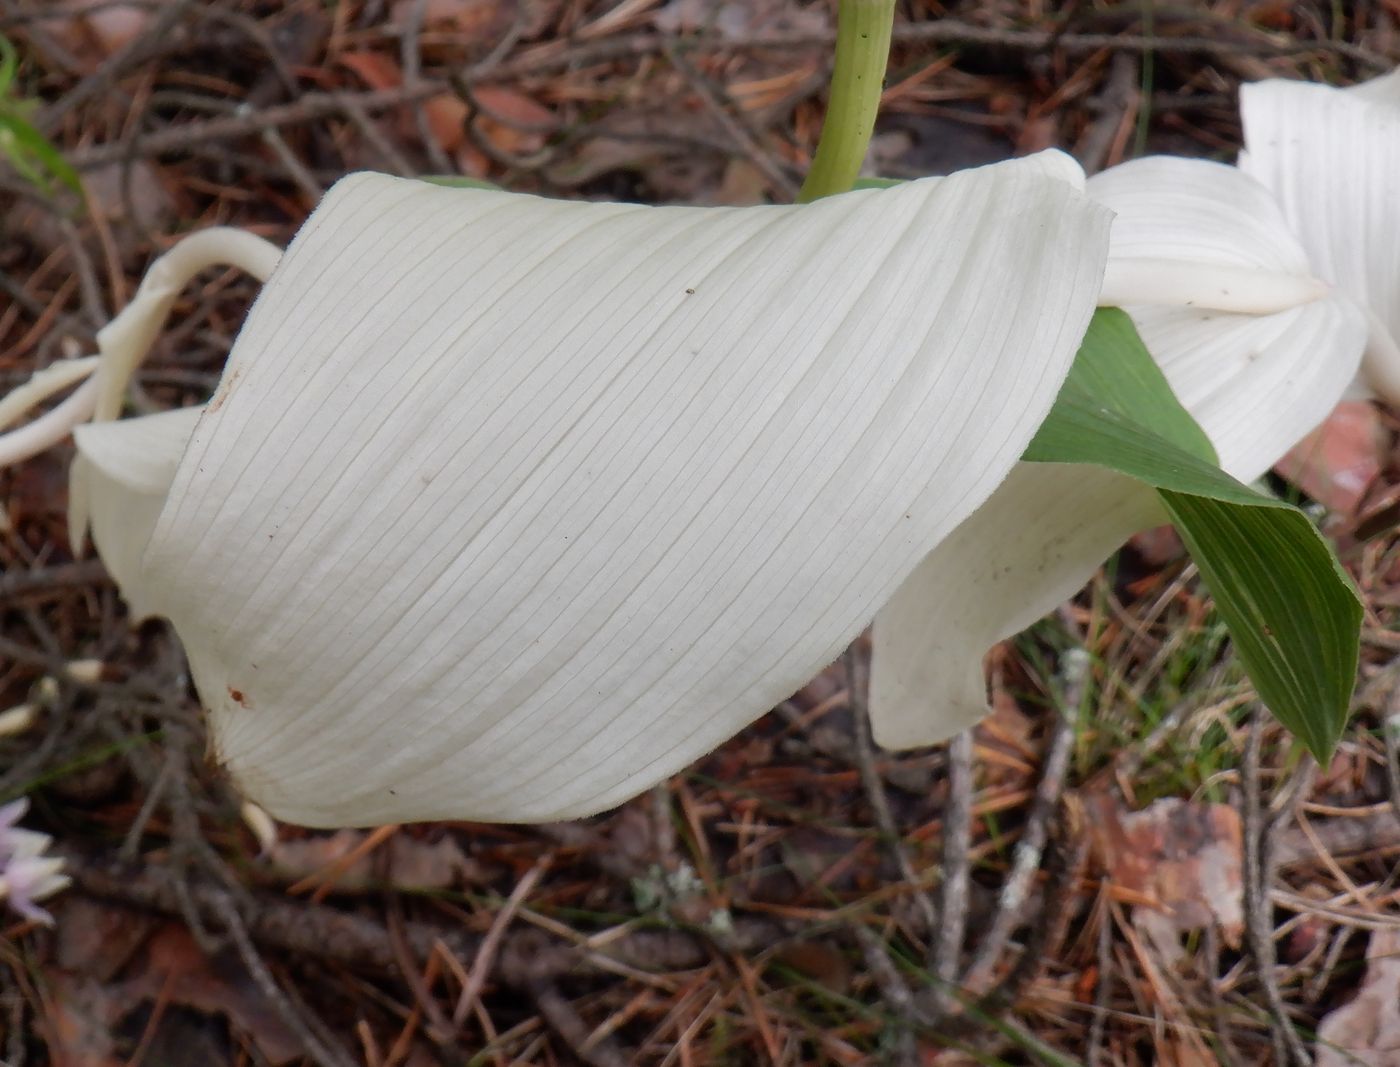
1331 157
117 487
1025 551
1256 384
507 508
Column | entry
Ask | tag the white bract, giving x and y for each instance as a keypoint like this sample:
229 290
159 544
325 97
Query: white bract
507 508
1259 351
1332 158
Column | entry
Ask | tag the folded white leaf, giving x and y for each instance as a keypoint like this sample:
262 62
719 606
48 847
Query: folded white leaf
117 487
1025 551
1331 157
1256 383
507 508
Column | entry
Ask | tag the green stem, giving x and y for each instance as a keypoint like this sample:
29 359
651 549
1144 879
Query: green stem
863 30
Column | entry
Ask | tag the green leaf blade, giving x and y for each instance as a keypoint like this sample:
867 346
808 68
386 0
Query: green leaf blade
1304 670
1291 609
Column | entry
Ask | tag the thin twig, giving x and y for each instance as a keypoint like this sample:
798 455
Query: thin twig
565 1021
857 686
409 60
952 901
1026 859
318 1050
894 991
1258 924
1103 987
745 138
116 65
52 579
1390 734
486 954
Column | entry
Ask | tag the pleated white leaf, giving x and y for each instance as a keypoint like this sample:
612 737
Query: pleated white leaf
1330 156
117 487
508 508
1022 553
1257 384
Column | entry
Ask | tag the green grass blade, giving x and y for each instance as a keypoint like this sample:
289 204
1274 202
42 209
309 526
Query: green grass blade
22 143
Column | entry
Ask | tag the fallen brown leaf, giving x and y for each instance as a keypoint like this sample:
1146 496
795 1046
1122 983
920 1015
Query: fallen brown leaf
1184 857
1367 1029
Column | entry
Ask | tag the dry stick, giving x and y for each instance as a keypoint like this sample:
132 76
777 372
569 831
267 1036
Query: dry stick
1026 858
302 178
309 108
87 274
314 106
322 932
1390 734
895 992
857 687
376 139
1063 865
440 1028
409 60
486 954
118 64
323 1053
1103 989
50 579
747 139
564 1021
1117 102
155 795
1258 928
1224 1031
952 903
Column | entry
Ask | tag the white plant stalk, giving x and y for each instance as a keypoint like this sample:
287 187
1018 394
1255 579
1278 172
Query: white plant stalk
124 342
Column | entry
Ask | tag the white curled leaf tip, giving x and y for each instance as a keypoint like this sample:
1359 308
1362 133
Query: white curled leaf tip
1022 553
1256 382
518 506
117 487
1330 156
124 341
1139 281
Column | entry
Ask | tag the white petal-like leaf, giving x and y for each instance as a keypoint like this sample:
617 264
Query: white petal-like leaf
117 487
1330 156
1256 384
507 508
1025 551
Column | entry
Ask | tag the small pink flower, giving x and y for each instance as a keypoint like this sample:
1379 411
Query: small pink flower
26 874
